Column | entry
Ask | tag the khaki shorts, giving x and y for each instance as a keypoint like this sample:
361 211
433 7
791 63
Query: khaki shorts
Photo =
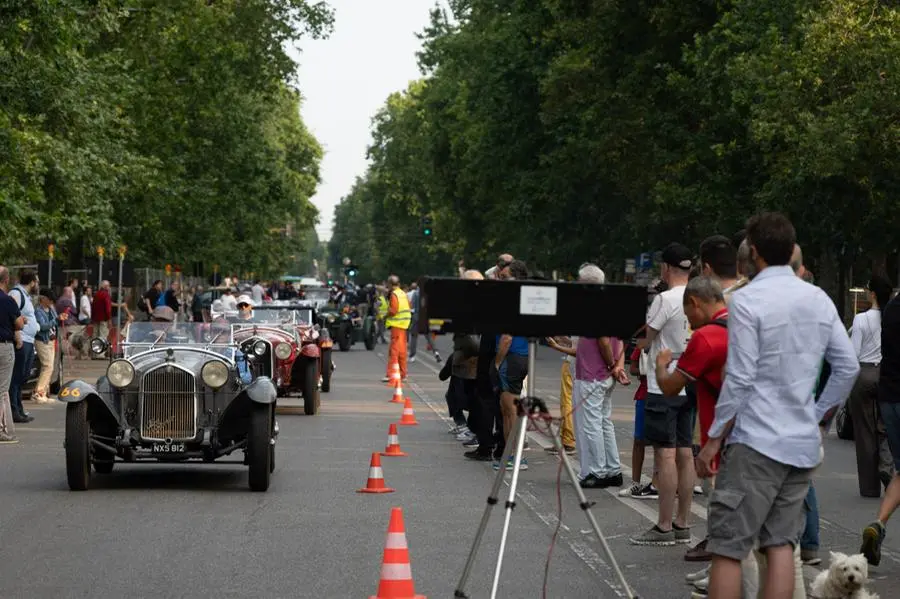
755 498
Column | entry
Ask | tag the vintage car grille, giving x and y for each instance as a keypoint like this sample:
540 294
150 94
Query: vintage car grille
261 365
168 404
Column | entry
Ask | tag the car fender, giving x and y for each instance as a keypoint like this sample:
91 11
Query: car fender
261 390
100 404
310 350
76 390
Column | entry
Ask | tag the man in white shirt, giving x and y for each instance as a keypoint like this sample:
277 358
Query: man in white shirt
668 421
258 292
780 329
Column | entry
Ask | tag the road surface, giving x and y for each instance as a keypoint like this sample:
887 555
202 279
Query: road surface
196 531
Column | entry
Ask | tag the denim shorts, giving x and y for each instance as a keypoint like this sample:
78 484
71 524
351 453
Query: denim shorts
639 420
890 415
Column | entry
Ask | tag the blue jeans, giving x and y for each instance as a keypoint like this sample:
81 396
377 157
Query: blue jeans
595 435
24 360
809 540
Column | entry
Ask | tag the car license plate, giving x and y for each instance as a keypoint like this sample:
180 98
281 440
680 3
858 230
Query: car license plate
167 448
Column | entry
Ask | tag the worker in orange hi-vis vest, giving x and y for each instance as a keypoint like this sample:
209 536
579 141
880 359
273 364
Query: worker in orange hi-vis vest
398 318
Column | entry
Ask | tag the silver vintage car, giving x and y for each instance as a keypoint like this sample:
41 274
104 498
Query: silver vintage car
177 392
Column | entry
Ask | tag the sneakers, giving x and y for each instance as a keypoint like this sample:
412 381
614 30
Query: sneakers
567 448
702 585
464 434
698 490
8 439
411 359
592 481
472 443
479 456
810 557
385 379
873 535
655 537
510 464
695 576
698 553
682 535
639 491
457 429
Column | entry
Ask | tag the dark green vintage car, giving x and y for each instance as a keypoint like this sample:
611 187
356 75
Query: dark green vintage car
348 325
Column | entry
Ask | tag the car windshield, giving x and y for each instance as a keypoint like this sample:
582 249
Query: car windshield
143 336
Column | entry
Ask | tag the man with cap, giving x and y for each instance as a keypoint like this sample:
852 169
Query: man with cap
668 421
245 308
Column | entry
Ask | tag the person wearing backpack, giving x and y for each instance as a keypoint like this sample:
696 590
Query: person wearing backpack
21 295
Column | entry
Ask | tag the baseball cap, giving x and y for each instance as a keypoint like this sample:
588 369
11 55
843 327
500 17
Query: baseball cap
677 255
245 299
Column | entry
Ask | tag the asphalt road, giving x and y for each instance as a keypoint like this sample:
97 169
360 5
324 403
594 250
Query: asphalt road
196 531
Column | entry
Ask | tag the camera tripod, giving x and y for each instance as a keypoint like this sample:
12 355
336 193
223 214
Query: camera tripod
525 407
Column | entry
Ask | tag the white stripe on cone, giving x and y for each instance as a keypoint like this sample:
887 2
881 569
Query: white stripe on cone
376 472
395 540
393 440
407 411
396 572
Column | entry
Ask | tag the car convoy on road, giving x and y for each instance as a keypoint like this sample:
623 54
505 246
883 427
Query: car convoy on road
182 392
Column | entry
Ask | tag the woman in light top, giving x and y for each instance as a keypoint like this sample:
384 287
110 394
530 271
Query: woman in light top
873 459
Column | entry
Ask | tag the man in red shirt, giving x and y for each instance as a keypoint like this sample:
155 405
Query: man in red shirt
703 360
101 311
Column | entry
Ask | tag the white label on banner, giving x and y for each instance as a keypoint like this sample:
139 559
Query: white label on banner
537 301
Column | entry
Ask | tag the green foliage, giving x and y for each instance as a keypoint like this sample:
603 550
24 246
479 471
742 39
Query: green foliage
171 127
563 131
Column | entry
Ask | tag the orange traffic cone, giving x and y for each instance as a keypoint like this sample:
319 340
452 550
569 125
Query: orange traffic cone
409 417
396 580
393 446
398 393
375 484
394 378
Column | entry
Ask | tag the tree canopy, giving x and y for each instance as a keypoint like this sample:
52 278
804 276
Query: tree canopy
564 131
170 127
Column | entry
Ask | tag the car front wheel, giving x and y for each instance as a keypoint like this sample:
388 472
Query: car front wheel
78 446
259 447
310 387
326 370
345 336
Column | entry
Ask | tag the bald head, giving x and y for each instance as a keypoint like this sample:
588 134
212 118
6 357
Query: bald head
394 281
504 260
473 275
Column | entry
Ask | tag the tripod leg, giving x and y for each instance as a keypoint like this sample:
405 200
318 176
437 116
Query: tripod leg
521 426
482 527
585 505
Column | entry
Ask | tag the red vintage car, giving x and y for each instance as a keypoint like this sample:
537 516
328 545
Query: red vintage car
275 348
302 317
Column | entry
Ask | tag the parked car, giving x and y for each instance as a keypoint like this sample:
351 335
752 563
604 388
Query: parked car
177 392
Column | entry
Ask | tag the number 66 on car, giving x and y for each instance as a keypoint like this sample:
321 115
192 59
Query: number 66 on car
173 395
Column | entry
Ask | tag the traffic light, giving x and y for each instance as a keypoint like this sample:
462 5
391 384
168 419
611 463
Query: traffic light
351 270
426 226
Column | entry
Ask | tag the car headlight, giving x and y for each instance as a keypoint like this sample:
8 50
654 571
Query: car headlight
283 351
214 374
120 373
259 348
98 346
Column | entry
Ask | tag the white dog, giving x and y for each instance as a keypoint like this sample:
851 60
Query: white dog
844 579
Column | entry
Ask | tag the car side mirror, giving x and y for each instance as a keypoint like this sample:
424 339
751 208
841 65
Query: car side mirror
99 346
